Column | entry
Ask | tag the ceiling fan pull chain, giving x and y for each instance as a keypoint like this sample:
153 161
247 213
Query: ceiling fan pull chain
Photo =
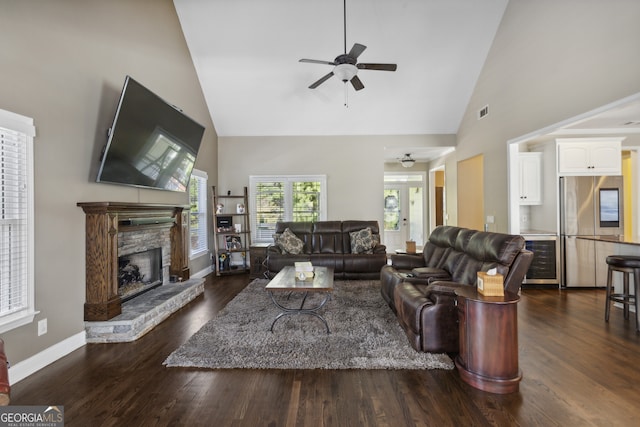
346 95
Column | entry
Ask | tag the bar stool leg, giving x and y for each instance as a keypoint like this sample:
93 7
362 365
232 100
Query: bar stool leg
625 292
636 281
607 307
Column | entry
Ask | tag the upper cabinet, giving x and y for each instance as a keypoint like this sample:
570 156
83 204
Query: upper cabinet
589 156
530 167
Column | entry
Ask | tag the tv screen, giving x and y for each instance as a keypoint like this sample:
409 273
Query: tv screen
609 207
151 144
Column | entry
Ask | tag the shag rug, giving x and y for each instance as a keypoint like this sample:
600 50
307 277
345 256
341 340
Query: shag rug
365 334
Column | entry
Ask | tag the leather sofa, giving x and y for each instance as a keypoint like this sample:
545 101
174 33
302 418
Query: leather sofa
421 289
329 244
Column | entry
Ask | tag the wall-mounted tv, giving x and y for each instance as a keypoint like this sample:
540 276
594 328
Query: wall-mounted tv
151 143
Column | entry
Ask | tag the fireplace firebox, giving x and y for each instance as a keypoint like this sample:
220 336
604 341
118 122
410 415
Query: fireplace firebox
139 272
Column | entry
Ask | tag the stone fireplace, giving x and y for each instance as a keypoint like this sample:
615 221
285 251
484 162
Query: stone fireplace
126 240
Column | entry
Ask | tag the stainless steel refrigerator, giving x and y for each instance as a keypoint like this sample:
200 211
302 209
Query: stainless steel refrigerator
591 207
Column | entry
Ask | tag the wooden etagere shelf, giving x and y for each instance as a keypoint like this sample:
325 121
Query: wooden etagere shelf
231 232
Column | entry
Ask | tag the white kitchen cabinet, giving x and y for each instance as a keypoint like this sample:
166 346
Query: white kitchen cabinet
530 166
589 156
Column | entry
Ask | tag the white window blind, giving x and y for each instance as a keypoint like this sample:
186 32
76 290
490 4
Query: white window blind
16 220
198 214
285 198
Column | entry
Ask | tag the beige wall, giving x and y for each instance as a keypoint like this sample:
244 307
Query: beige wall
63 63
354 165
550 60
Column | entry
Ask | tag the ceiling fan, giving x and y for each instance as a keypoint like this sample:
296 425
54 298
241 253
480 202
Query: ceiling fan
346 65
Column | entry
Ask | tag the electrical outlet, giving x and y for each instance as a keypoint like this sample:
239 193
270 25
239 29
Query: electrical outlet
42 327
525 218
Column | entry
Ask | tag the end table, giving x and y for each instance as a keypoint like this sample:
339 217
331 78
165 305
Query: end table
488 358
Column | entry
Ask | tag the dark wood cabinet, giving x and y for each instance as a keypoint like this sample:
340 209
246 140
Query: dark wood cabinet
488 358
257 256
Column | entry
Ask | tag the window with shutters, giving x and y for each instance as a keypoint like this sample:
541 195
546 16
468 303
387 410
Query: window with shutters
198 214
285 198
17 302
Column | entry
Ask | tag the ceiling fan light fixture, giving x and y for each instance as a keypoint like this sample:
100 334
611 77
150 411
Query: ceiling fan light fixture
345 72
407 161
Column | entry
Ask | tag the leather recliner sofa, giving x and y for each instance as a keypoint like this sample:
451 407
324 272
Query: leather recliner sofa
328 244
421 289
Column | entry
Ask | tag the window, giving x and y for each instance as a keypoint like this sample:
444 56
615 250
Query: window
17 302
285 198
199 243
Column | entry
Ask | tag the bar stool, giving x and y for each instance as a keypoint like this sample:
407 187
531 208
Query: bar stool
626 265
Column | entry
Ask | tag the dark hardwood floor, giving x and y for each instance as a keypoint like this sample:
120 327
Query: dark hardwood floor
578 371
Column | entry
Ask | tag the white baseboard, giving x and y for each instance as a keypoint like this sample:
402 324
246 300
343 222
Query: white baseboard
33 364
200 274
22 370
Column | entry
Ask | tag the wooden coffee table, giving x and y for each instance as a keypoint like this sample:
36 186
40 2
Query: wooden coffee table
286 281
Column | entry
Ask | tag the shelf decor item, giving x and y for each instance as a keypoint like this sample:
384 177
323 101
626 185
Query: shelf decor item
223 223
233 242
223 262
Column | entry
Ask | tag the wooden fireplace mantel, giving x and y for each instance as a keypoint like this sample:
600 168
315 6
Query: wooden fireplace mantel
103 222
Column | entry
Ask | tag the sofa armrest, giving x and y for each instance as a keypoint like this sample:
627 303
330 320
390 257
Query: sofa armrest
380 249
441 291
274 249
517 271
406 262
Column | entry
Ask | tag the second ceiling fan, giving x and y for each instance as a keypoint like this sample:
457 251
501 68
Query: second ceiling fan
346 65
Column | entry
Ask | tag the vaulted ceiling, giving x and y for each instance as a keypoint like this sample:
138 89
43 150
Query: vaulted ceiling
246 56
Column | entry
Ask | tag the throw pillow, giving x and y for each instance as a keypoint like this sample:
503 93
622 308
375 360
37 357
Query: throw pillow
361 241
289 243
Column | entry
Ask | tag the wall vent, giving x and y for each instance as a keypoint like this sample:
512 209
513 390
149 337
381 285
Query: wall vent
483 112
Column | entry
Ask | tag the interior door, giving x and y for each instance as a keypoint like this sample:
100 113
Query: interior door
395 217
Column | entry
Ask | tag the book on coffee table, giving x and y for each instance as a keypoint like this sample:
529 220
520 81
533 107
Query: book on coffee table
304 270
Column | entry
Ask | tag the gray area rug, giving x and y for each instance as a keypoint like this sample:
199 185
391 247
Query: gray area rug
364 335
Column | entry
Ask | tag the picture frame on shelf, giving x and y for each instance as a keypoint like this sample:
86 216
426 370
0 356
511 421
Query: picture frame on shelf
233 242
224 223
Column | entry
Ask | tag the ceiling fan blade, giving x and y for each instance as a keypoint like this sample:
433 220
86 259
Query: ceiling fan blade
356 50
317 61
381 67
321 80
357 84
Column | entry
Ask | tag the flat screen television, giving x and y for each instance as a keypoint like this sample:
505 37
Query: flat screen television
151 143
